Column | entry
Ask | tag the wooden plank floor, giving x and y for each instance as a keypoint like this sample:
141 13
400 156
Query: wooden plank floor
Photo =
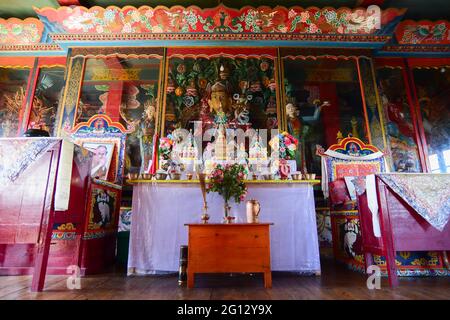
336 282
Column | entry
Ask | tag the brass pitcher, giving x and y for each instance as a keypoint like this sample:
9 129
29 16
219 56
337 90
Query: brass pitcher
253 209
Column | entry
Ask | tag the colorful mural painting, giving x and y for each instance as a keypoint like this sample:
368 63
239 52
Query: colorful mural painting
433 93
423 32
318 107
216 20
399 124
13 87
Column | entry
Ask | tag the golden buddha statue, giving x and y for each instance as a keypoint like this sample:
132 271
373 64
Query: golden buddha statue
220 99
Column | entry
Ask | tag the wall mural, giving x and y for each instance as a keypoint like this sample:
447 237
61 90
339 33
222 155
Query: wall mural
13 84
433 91
46 98
323 98
242 89
110 20
399 125
126 89
373 116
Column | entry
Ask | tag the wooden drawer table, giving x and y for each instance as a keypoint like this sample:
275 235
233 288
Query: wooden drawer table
228 248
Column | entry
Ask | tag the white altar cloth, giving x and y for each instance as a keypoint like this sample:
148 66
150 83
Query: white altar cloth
160 211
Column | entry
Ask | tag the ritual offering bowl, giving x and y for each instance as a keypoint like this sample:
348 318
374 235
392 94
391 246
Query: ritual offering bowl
175 176
189 176
147 176
133 176
296 176
161 176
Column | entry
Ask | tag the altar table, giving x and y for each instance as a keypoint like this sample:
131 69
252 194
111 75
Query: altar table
161 209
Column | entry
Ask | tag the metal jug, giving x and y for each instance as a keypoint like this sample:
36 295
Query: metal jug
253 209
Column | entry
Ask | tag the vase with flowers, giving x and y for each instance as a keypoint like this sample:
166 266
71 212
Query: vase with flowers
165 152
284 147
228 181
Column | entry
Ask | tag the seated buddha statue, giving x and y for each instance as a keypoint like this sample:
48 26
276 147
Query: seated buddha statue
220 99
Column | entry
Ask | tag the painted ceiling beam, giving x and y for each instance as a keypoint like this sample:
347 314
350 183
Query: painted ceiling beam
68 2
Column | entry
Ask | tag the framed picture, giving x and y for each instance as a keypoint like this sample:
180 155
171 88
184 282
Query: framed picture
101 161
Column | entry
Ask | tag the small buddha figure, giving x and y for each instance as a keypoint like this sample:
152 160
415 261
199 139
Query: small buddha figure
339 137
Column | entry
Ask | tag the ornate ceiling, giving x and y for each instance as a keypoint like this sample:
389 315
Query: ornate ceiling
417 9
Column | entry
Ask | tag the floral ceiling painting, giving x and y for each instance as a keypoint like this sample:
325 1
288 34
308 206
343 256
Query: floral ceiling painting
221 19
423 32
16 31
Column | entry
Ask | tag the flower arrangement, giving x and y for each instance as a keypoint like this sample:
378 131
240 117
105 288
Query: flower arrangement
165 147
228 181
285 144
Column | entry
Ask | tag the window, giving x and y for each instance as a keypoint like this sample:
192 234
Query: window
446 154
434 163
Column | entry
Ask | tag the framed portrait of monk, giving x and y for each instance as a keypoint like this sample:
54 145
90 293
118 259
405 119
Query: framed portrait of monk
101 161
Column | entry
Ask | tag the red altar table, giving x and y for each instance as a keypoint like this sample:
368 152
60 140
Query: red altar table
402 228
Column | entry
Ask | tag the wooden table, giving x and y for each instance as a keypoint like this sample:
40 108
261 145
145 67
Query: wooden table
227 248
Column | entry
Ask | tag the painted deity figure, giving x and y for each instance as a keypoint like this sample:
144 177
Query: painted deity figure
294 124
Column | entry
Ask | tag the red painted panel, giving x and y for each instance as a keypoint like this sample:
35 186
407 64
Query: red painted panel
229 51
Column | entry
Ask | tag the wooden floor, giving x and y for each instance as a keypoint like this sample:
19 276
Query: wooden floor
336 282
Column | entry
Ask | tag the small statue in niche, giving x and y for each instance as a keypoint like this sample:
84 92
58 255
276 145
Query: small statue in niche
294 123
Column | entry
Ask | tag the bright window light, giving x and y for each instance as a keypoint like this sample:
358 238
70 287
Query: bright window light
446 154
434 162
